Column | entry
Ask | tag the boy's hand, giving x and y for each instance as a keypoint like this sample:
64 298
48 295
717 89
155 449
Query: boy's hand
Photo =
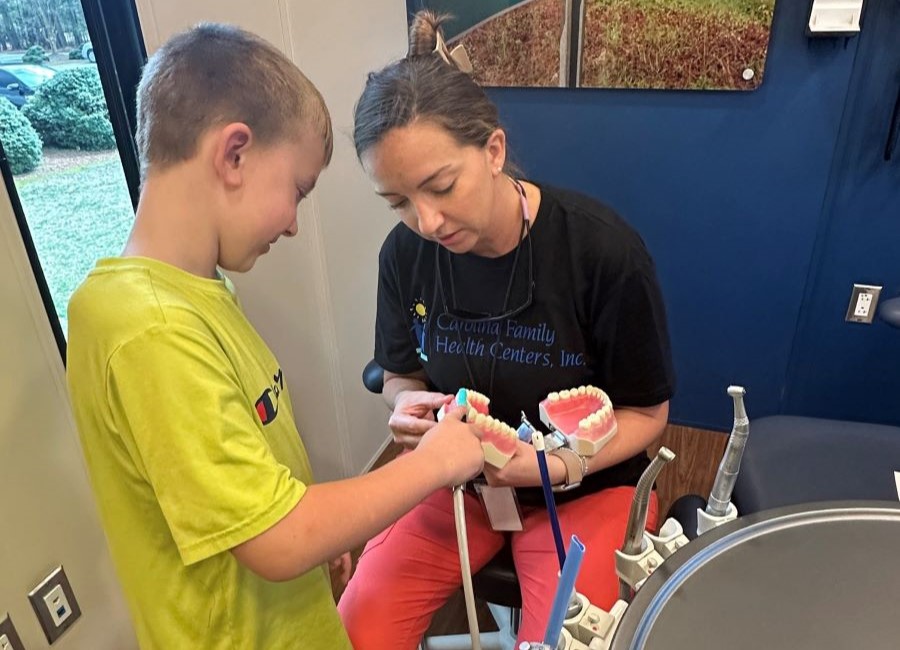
413 415
454 446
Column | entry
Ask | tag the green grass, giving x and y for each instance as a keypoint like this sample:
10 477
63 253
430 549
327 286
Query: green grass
699 44
76 216
750 8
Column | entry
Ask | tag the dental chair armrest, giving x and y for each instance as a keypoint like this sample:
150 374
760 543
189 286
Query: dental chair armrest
373 377
889 312
684 510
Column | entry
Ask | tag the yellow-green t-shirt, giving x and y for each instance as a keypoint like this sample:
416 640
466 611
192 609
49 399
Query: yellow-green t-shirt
192 449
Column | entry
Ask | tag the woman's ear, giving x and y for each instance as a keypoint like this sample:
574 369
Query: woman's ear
495 148
230 152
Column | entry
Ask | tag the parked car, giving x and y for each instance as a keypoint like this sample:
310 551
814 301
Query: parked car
18 81
87 52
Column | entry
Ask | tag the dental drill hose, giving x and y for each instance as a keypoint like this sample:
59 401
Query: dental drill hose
640 504
720 496
459 512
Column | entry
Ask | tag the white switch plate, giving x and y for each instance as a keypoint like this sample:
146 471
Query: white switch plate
58 605
863 303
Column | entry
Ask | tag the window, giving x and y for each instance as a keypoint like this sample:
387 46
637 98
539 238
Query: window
69 164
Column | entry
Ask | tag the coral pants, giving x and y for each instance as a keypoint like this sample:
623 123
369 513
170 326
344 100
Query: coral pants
410 569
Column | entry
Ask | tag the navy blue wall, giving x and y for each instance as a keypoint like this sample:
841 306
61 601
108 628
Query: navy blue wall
730 191
838 369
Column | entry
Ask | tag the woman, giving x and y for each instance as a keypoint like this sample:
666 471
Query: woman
513 289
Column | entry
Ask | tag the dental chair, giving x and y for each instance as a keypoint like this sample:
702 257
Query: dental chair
496 583
790 460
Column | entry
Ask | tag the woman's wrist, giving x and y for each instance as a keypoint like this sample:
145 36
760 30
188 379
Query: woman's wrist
556 468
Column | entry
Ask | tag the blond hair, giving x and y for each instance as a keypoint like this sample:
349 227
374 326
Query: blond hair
215 74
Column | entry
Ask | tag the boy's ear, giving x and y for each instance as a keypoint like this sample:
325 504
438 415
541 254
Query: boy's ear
231 150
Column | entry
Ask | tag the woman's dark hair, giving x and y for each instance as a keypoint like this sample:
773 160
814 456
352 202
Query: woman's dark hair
427 85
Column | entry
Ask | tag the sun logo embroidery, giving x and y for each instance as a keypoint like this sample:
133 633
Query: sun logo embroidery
267 404
420 326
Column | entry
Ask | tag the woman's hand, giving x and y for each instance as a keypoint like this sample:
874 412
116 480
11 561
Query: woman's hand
413 415
522 469
339 570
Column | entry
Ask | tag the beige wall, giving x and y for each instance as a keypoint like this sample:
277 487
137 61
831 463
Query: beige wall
313 298
47 511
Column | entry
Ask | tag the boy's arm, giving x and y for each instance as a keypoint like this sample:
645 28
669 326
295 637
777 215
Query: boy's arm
334 517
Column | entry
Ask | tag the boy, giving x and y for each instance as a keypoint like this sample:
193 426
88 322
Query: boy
184 416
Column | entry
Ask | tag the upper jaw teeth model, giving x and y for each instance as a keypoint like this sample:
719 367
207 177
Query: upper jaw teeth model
498 440
584 415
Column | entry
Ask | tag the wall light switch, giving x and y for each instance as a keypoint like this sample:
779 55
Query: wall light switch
863 301
9 639
54 604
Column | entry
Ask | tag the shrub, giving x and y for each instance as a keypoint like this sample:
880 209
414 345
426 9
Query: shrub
69 111
21 143
35 54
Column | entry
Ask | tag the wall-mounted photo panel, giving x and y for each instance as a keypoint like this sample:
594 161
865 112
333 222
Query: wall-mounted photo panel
657 44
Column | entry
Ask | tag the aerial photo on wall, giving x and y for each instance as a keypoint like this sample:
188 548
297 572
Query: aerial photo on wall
656 44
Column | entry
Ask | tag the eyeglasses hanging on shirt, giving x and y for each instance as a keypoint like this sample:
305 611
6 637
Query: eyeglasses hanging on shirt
456 312
506 312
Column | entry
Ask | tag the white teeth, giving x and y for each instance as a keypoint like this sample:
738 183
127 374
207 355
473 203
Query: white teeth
554 397
584 425
565 394
582 390
480 419
472 416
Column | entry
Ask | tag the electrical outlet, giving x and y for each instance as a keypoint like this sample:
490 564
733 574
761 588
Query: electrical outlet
9 639
54 604
863 301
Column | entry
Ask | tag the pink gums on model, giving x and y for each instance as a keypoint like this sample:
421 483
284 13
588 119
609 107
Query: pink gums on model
584 415
498 440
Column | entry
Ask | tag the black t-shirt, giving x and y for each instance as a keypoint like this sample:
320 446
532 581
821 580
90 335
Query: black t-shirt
595 316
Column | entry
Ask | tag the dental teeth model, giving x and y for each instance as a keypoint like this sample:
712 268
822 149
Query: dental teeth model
584 415
469 398
498 440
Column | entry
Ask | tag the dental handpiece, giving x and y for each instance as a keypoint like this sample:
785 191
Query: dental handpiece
640 504
720 496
